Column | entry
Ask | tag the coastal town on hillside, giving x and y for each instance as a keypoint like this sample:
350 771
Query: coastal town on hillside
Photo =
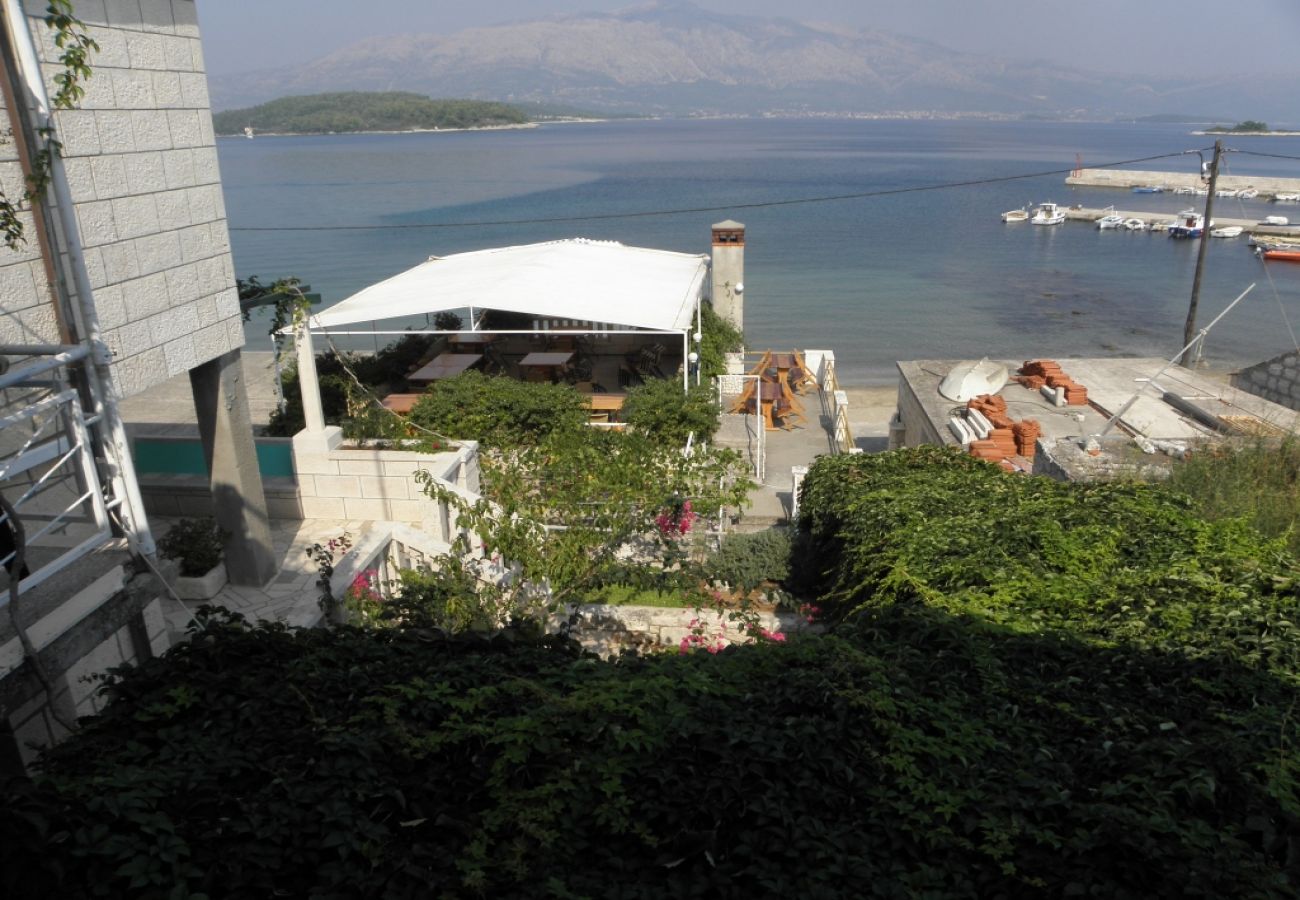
457 558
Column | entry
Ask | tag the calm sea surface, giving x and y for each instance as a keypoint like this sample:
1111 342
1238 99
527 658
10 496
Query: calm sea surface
919 275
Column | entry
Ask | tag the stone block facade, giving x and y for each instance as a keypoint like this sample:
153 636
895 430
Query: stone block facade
141 161
1276 379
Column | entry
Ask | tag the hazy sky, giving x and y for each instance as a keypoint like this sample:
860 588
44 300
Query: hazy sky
1201 36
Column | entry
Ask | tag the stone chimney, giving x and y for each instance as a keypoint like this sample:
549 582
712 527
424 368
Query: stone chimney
729 272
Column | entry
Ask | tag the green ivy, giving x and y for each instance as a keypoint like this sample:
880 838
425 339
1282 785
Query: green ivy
662 409
915 755
499 411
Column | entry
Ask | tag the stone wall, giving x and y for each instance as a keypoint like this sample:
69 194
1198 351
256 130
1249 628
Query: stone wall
109 621
141 161
379 485
1277 379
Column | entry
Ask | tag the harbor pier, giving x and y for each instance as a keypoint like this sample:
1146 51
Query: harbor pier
1124 179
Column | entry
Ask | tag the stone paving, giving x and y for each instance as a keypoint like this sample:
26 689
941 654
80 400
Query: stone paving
291 596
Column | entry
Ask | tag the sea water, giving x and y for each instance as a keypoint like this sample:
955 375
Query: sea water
913 275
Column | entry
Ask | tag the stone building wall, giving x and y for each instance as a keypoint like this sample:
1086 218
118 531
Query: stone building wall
1276 379
141 161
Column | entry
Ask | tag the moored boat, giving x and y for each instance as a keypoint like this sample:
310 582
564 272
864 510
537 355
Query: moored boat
1227 231
1015 215
1283 255
1148 189
1135 224
1286 198
1189 224
1110 221
1185 190
1048 214
1247 194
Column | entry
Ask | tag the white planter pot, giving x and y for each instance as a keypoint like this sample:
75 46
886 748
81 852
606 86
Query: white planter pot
202 587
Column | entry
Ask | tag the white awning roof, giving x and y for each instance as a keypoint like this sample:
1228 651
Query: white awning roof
579 279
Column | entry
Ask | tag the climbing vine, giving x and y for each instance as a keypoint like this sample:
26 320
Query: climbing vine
75 47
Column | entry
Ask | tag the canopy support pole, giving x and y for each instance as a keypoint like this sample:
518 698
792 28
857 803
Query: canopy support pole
315 436
686 365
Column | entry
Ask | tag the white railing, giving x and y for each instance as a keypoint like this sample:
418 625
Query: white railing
835 402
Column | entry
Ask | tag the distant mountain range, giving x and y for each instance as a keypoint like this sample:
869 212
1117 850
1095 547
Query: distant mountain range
675 58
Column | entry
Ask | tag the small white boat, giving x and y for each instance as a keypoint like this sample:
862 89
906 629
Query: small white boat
1048 214
1201 191
1185 190
1161 226
1247 194
1227 231
1276 220
1225 192
1016 215
1286 198
967 380
1135 225
248 132
1111 221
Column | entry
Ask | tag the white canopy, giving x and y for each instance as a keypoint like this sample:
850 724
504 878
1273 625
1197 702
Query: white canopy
578 279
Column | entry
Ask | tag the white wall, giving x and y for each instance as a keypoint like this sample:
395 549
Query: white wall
141 161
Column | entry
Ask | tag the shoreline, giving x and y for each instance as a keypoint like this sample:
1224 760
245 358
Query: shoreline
521 126
1248 133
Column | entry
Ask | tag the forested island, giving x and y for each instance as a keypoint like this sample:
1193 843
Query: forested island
356 111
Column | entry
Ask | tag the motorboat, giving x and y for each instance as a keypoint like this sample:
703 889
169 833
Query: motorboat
1190 224
1110 221
1286 198
1225 192
1148 189
1227 231
1161 226
1282 255
1015 215
1247 194
1135 224
1048 214
1185 190
968 380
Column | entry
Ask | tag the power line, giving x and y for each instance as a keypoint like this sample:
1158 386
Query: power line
1269 155
729 207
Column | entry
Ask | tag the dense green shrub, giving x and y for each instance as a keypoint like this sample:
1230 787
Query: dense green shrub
746 561
498 411
1108 562
663 410
1257 480
917 754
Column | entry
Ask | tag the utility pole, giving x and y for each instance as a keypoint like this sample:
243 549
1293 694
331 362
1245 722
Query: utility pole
1189 329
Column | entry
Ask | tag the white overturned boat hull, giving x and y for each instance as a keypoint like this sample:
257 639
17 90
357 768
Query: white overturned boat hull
968 380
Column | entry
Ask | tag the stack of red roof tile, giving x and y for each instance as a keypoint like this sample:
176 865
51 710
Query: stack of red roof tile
986 450
1026 432
1050 373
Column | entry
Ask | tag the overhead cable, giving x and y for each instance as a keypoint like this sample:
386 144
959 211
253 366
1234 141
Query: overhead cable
728 207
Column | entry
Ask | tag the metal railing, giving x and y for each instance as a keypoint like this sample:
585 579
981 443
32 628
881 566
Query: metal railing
48 469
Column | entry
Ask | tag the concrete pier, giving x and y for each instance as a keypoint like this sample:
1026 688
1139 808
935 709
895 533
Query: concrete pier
1251 226
1130 178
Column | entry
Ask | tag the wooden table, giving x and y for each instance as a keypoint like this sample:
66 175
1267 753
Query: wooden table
603 406
605 402
445 365
400 403
547 364
768 393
